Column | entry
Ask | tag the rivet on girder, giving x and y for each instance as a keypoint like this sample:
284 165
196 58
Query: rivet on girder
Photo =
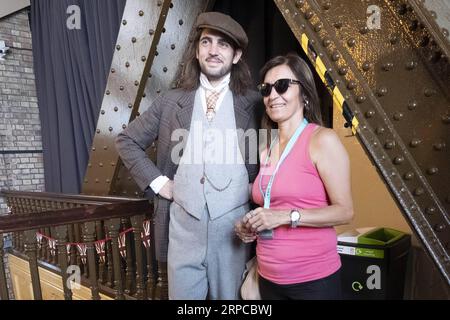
105 147
85 180
116 109
413 25
446 118
165 69
133 39
438 146
121 88
98 131
445 32
412 105
144 95
118 47
127 64
108 181
380 130
318 27
326 5
409 175
299 3
433 170
159 3
110 129
326 42
309 14
130 105
102 112
402 9
399 160
90 165
388 66
113 70
343 71
171 5
172 46
180 22
370 114
439 227
335 56
351 85
141 13
415 143
124 126
136 83
338 24
419 191
429 92
398 116
108 92
366 66
143 58
100 164
124 22
151 32
364 30
163 30
360 99
156 53
97 181
382 91
112 164
390 144
430 210
351 42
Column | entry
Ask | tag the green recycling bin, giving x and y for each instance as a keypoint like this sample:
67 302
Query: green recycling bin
373 263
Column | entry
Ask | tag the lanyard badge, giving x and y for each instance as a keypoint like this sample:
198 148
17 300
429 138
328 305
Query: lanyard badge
268 234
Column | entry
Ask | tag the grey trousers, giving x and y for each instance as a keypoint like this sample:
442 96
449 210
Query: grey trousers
205 258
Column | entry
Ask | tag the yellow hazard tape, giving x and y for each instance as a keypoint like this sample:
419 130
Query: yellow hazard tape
338 98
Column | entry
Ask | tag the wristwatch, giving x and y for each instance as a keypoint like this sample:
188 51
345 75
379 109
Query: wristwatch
295 218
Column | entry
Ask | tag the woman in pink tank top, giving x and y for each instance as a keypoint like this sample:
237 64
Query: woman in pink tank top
302 189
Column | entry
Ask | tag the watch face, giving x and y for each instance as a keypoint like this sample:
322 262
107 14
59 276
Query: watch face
295 215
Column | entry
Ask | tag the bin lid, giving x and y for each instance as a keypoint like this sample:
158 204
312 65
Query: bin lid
378 236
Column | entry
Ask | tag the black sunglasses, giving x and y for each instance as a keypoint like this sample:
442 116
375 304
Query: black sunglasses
281 86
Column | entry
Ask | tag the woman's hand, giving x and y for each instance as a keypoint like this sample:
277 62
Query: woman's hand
243 233
263 219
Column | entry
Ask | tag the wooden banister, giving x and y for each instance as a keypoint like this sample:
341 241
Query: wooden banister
62 219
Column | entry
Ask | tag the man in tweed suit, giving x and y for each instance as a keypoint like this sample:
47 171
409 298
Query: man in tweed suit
199 193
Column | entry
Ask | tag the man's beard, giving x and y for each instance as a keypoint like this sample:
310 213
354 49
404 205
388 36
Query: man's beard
216 74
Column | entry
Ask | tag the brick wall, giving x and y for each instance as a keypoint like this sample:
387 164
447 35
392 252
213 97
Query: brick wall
21 163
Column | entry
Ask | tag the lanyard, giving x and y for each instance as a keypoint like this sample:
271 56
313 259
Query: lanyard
286 151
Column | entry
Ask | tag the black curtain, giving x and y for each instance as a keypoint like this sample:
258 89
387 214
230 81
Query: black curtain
71 68
269 35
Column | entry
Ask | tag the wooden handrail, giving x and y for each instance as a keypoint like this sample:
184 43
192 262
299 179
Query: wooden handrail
30 221
79 220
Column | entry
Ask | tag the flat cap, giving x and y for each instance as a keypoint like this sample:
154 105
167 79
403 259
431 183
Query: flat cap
224 24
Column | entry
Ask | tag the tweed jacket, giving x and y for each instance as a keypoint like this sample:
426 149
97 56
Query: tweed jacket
171 111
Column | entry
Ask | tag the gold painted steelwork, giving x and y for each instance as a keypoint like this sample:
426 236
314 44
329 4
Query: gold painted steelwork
139 34
391 82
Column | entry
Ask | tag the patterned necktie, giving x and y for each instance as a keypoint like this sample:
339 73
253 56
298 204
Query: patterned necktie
211 100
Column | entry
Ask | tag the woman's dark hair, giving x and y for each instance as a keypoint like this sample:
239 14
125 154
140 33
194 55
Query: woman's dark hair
240 80
308 91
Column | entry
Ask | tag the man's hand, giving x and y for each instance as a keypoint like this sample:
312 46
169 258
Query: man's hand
243 233
167 190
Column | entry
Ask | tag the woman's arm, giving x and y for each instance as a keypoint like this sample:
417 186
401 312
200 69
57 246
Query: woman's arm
332 162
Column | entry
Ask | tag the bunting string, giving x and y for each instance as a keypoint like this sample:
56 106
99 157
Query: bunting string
100 245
